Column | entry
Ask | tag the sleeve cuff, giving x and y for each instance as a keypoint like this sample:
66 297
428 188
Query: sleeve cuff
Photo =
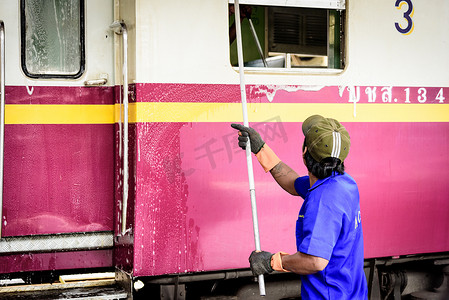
276 262
267 158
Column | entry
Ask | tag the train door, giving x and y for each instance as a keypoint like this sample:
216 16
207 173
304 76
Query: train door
58 183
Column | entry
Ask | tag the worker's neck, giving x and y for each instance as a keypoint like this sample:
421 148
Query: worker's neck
312 179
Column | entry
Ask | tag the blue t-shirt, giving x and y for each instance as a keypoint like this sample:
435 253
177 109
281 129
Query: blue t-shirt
329 226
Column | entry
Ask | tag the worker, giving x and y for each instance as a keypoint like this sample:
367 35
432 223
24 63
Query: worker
329 236
245 12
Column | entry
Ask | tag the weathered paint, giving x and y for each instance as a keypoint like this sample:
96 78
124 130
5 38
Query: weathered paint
189 203
61 95
58 178
192 210
29 262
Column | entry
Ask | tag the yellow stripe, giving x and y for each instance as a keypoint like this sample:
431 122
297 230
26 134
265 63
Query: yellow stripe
288 112
59 114
224 112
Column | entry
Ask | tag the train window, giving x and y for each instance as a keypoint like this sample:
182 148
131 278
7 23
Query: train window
300 34
52 38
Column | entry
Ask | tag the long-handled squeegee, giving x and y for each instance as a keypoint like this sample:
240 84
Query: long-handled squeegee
256 40
249 163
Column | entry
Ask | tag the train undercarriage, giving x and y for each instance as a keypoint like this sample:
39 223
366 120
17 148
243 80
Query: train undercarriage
415 277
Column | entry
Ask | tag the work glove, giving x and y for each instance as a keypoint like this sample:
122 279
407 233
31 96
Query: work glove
255 139
260 262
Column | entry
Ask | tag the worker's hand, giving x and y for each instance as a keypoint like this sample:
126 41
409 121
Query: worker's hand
255 139
245 11
260 262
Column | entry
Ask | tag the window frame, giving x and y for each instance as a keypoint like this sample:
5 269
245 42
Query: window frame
52 76
332 8
327 4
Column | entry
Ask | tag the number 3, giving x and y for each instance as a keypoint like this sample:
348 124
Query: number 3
407 15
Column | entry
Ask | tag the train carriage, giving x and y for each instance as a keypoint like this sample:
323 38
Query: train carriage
118 152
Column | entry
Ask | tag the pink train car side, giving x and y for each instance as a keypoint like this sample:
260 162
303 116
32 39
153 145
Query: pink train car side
118 153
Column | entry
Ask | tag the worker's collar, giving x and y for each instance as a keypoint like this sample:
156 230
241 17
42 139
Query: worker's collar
321 181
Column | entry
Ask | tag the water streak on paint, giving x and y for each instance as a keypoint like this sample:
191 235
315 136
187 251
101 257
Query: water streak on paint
161 198
270 90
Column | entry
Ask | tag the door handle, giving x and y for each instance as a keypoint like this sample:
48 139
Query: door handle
97 82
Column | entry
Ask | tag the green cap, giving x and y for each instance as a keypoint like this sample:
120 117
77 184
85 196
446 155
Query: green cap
326 137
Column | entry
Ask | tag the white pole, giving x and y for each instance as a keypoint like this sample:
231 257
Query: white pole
120 28
125 128
252 189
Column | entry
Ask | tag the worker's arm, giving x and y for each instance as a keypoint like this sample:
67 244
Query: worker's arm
303 264
245 12
282 173
263 262
285 177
